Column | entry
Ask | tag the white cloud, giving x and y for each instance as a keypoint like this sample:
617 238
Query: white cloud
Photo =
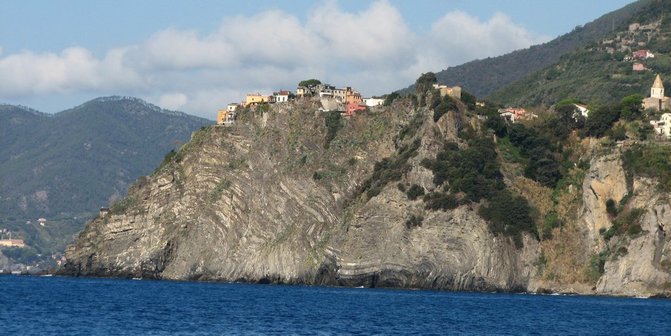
372 50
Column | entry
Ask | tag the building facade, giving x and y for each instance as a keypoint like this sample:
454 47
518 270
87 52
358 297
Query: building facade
657 101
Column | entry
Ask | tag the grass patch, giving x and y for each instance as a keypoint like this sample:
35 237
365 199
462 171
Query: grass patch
219 190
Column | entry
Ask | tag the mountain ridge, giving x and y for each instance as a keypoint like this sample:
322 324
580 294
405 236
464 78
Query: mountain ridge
482 77
66 165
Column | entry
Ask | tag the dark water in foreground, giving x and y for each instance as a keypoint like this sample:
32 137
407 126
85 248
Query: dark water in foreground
70 306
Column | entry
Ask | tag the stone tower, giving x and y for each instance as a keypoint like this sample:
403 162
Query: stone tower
657 89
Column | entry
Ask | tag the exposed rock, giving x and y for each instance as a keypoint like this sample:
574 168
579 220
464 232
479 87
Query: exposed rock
265 201
641 264
605 180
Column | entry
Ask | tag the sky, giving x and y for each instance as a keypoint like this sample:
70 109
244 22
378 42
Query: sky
197 56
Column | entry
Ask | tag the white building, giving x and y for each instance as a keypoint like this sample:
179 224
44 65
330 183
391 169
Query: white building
370 102
663 125
584 111
281 97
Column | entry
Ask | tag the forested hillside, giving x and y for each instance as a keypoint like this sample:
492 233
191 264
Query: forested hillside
63 167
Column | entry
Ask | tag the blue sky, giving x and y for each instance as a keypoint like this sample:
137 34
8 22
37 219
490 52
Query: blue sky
198 55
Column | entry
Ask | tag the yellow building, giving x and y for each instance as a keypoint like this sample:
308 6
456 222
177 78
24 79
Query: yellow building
352 96
12 243
255 99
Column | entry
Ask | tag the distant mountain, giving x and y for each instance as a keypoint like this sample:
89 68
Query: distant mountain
602 72
63 167
482 77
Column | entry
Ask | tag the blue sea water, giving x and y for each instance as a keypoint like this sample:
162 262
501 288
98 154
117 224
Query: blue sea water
75 306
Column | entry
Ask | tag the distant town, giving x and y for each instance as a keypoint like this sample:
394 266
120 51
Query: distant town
349 101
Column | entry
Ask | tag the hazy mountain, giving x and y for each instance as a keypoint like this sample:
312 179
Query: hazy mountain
64 166
482 77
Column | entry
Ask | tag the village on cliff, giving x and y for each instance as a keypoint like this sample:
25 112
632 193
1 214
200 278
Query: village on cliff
349 101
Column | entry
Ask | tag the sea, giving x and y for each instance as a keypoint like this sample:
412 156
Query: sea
32 305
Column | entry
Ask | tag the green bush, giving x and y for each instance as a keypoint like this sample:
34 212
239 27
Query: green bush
390 169
611 208
596 265
414 192
334 123
440 201
445 105
317 176
650 160
414 221
510 215
473 170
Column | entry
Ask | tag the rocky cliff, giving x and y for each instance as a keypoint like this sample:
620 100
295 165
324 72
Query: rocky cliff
279 197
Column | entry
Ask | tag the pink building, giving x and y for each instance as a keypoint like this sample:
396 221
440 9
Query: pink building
638 67
642 54
352 108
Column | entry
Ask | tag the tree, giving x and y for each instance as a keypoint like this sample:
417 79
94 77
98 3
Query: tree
390 98
631 107
600 120
468 99
309 82
425 82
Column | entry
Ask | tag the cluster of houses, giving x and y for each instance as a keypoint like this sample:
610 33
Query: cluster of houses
347 100
514 114
8 241
638 56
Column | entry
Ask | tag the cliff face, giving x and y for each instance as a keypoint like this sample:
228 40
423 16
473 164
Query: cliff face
265 201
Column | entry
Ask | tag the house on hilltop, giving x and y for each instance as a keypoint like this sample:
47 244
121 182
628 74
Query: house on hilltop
226 117
657 101
452 91
253 99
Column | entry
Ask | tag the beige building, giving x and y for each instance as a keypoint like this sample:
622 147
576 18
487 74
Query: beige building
452 91
657 101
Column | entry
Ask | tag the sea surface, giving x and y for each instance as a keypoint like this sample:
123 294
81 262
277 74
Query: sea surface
75 306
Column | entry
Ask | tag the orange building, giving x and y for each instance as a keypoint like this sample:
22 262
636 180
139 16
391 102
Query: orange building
227 116
352 96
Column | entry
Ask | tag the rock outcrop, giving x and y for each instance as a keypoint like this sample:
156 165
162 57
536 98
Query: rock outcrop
278 198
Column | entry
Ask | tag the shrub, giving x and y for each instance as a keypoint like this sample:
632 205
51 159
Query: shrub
601 119
414 221
390 169
596 265
445 105
509 215
649 161
333 122
414 192
317 176
440 201
611 208
473 171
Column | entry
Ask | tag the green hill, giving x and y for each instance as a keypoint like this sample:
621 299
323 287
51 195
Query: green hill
63 167
482 77
602 71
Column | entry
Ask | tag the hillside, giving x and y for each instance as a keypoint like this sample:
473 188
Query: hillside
63 167
418 194
482 77
601 72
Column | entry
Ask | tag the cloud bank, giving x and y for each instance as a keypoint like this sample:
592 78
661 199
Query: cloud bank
373 50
